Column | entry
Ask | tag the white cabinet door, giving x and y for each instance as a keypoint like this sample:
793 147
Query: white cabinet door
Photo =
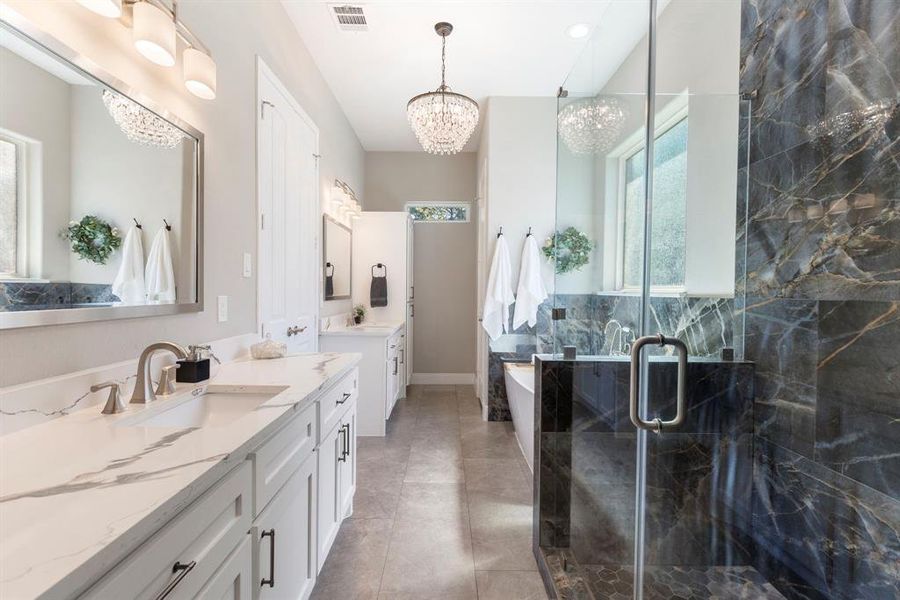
287 188
410 313
233 580
285 539
348 465
329 513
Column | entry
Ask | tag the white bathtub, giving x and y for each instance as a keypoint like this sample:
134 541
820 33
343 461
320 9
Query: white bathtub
519 380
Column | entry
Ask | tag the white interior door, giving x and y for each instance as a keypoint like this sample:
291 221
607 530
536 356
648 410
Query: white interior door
287 176
481 353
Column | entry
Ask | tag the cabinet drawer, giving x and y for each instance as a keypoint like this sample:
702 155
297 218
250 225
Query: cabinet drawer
336 401
233 579
199 539
279 456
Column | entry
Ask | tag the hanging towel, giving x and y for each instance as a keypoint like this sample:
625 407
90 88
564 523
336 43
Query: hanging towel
159 275
378 290
128 285
499 294
329 281
531 291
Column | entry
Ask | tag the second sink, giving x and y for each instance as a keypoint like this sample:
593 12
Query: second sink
215 407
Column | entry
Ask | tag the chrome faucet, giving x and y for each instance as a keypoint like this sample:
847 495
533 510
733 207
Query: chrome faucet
143 387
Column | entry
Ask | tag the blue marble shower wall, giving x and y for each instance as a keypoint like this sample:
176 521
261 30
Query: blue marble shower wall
37 295
705 324
823 292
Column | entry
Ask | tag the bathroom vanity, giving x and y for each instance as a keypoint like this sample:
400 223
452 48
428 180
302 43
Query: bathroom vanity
233 488
382 370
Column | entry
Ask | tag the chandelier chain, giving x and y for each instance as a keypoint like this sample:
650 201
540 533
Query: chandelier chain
443 62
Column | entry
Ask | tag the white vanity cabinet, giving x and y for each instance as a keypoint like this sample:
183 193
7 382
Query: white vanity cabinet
337 479
264 530
284 538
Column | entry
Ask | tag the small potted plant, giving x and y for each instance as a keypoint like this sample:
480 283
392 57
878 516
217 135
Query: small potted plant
359 313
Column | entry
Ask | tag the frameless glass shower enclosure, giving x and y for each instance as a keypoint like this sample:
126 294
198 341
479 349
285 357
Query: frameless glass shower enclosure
727 255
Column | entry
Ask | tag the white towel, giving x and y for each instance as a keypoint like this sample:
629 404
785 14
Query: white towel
160 275
499 294
531 291
129 282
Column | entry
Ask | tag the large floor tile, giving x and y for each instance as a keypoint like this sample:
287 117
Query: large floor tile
509 585
433 502
356 561
501 524
491 474
429 561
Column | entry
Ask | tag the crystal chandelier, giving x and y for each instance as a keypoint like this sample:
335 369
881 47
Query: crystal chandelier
139 124
443 121
592 125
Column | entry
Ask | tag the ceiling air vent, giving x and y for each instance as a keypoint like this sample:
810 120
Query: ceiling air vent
349 17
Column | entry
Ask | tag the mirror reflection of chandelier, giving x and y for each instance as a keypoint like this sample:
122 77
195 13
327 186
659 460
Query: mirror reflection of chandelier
139 124
592 125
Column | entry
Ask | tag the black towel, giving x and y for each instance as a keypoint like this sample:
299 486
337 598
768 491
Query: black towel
378 290
329 281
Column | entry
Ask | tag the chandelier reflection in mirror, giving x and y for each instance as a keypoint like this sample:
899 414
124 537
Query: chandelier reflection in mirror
443 120
592 125
139 124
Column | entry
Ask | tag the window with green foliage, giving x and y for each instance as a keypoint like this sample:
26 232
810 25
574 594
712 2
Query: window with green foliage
9 206
667 238
439 212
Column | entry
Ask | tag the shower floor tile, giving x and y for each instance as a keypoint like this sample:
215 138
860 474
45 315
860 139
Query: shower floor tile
687 583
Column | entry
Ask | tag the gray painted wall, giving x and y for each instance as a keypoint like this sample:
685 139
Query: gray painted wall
444 253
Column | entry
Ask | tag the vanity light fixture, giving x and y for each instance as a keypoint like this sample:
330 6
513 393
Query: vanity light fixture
199 74
111 9
155 30
153 33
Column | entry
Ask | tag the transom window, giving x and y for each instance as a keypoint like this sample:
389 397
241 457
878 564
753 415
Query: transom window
667 238
439 212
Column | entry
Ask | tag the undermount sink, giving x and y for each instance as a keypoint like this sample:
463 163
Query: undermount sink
215 407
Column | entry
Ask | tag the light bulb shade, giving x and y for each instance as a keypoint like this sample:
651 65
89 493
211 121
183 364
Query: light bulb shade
200 74
153 32
443 121
106 8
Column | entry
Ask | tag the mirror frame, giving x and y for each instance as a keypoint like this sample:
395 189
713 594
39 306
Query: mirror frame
12 23
325 220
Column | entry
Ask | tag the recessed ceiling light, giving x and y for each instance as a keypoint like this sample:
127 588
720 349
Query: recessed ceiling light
578 30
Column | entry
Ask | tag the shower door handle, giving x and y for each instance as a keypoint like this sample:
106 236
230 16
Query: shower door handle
657 425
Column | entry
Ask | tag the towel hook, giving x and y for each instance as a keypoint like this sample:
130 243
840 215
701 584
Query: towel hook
501 231
138 225
529 232
168 227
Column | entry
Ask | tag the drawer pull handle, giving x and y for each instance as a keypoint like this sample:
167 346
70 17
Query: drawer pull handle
344 398
182 569
347 438
402 357
271 580
343 434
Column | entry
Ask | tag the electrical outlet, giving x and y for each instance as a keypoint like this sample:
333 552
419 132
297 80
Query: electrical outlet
222 305
248 265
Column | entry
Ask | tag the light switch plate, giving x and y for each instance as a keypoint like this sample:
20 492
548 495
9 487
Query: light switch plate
222 304
248 265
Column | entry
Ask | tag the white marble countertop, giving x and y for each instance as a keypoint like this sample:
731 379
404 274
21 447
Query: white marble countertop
382 329
78 493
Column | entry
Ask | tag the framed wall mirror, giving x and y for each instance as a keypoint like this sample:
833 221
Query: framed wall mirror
101 192
338 243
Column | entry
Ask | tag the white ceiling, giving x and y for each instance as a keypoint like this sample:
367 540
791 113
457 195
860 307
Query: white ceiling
498 48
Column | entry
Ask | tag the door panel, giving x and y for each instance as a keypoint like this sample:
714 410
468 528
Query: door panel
329 513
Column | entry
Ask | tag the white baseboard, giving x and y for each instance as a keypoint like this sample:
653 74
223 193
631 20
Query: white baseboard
443 378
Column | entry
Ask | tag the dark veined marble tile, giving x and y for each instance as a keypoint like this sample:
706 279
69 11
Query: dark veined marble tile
783 61
781 338
820 534
858 413
33 293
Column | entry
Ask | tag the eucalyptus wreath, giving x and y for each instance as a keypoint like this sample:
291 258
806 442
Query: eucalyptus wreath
93 239
570 249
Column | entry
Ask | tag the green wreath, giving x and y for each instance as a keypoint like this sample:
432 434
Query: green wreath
93 239
569 249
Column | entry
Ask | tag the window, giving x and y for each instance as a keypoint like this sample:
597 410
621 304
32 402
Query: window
9 207
439 212
667 238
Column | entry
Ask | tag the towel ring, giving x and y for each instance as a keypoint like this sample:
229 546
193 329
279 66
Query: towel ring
379 266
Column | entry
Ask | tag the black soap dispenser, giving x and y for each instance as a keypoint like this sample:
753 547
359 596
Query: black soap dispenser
195 367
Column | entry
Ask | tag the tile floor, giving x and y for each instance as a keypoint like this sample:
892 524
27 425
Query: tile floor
442 509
